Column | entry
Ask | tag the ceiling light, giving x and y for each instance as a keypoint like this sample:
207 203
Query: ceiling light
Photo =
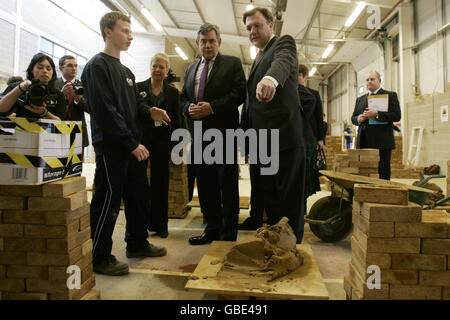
327 52
355 14
253 52
312 72
181 53
249 7
150 18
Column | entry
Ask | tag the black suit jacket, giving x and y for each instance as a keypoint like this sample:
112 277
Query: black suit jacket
284 112
78 111
379 136
316 120
308 102
225 91
158 138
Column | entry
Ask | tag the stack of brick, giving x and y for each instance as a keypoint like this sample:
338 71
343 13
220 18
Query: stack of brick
361 162
397 154
43 230
178 191
411 247
333 146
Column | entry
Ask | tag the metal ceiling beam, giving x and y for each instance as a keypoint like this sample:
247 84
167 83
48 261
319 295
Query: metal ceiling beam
199 11
238 32
381 4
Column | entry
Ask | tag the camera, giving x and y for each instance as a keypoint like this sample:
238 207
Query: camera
37 94
78 87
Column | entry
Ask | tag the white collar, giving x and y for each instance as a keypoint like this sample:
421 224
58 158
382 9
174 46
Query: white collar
376 91
65 81
212 60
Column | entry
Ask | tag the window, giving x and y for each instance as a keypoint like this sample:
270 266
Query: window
56 51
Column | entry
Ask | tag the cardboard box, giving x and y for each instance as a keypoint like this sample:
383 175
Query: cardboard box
39 152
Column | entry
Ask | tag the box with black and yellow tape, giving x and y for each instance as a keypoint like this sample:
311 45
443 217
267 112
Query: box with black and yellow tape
39 151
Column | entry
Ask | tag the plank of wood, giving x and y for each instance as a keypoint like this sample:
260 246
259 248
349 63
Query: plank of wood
68 203
64 187
304 283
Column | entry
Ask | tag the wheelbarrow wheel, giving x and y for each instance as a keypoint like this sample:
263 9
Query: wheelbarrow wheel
325 209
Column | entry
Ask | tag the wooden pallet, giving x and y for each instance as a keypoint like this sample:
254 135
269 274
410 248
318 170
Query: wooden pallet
305 283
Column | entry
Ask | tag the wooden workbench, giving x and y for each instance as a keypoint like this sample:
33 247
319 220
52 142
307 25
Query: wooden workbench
305 283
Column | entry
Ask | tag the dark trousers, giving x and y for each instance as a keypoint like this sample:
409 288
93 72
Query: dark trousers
159 192
191 180
384 168
256 201
218 192
118 176
283 193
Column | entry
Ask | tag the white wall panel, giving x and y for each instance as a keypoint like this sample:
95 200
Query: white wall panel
7 37
430 67
29 46
8 5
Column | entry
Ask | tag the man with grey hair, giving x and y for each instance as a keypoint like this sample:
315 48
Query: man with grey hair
214 88
375 126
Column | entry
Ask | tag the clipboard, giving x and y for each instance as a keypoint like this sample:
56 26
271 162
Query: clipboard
379 103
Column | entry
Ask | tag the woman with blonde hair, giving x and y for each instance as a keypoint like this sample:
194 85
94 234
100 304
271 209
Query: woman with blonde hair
156 92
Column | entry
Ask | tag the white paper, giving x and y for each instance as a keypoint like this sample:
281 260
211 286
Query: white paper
379 103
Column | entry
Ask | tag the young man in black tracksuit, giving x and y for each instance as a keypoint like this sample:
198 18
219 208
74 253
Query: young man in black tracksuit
113 101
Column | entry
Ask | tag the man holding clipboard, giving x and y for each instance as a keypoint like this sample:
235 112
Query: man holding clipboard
375 113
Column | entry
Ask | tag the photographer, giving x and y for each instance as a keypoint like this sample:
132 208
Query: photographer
73 91
41 75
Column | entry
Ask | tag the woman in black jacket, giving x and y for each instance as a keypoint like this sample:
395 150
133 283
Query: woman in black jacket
156 92
40 72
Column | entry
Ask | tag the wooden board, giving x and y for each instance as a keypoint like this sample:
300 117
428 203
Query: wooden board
305 283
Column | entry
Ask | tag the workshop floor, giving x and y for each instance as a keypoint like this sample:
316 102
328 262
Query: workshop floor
165 277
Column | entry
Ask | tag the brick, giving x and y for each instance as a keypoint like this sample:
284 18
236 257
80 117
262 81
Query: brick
31 245
11 230
37 285
85 222
21 191
63 218
25 296
364 152
348 286
356 207
65 245
27 272
75 294
86 247
51 232
92 295
49 259
368 171
419 262
421 230
12 285
406 292
12 203
376 212
2 246
434 278
446 293
397 195
436 246
369 158
366 293
348 170
383 260
12 258
2 272
23 217
64 187
376 229
387 245
71 202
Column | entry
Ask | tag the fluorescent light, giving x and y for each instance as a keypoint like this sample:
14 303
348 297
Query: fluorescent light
181 53
327 52
150 18
355 14
249 7
253 52
312 72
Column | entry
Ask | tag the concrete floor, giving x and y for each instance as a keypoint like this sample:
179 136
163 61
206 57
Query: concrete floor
164 278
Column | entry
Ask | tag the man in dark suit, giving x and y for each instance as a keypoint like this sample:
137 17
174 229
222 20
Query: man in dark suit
213 90
375 127
273 104
75 102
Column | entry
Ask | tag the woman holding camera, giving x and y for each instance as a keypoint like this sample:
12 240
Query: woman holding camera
156 92
40 72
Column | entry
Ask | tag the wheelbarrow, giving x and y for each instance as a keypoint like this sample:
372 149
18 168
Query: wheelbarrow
330 218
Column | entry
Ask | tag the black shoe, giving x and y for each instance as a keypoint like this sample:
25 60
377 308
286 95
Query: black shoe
249 224
205 238
111 267
162 234
149 251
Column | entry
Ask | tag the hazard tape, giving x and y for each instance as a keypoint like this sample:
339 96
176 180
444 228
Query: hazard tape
38 162
23 124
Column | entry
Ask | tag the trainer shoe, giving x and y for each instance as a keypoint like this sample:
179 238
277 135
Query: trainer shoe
111 267
149 251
